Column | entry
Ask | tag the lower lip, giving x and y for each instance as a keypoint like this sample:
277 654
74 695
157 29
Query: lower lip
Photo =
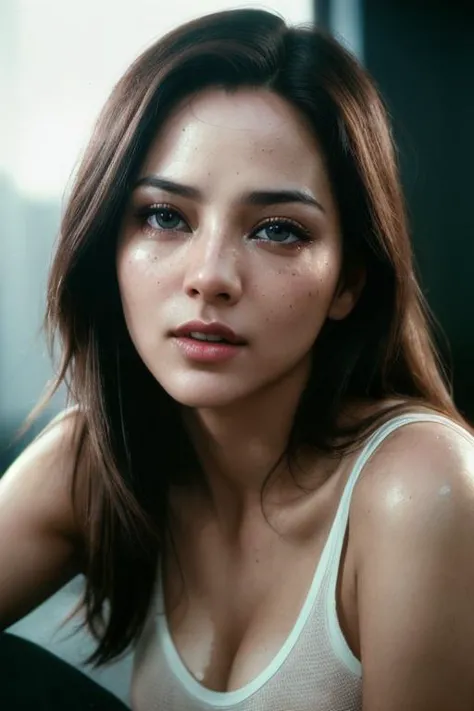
206 351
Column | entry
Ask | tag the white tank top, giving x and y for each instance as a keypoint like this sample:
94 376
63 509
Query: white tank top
315 669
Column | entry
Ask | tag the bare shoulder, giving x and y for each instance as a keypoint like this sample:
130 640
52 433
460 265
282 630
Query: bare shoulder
43 473
412 534
41 546
422 469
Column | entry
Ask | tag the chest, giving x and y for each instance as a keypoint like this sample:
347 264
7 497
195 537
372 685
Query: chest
230 611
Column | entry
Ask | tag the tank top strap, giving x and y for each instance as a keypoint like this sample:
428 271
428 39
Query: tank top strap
339 527
375 440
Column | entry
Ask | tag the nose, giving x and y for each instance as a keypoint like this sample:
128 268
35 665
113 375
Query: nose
213 271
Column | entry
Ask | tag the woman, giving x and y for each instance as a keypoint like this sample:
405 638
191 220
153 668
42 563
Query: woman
271 487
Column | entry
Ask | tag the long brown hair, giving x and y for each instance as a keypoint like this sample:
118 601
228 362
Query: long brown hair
132 443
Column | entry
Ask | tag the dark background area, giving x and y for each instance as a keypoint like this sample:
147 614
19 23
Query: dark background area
422 56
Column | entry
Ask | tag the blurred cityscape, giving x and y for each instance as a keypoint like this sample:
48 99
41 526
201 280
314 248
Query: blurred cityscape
28 231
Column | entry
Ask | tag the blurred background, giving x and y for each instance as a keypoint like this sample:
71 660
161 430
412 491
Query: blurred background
58 62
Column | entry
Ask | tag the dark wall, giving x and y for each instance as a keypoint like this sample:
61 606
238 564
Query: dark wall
422 57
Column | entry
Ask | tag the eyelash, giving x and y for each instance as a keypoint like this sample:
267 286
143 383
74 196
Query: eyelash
302 233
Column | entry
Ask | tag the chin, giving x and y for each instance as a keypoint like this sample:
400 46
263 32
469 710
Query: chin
205 392
202 400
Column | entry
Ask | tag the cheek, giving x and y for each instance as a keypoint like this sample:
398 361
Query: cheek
140 273
143 285
303 294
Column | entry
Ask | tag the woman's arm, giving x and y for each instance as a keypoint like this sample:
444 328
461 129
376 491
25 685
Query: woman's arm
414 545
39 539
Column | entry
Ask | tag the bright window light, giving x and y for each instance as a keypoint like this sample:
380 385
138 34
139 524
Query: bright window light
63 60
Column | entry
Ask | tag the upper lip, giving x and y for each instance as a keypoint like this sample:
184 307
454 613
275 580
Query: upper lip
214 329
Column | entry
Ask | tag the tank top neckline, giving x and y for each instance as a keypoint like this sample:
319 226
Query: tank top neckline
332 547
228 698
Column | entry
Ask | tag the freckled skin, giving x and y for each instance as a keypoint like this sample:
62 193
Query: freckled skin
276 296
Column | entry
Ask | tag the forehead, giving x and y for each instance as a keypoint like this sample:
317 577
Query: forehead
245 133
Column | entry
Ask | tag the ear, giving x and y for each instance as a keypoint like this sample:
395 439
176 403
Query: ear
347 293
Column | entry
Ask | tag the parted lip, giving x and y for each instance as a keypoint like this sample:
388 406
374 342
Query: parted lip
213 329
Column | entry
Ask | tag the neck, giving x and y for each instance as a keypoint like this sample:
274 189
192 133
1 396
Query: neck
238 446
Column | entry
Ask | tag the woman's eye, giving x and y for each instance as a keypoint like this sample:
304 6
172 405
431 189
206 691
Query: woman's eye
164 218
281 232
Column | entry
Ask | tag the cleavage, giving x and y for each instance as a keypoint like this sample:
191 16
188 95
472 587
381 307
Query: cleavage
228 620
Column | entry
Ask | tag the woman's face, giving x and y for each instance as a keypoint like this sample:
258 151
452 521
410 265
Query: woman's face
231 224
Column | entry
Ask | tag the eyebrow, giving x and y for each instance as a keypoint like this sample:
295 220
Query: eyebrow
255 197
